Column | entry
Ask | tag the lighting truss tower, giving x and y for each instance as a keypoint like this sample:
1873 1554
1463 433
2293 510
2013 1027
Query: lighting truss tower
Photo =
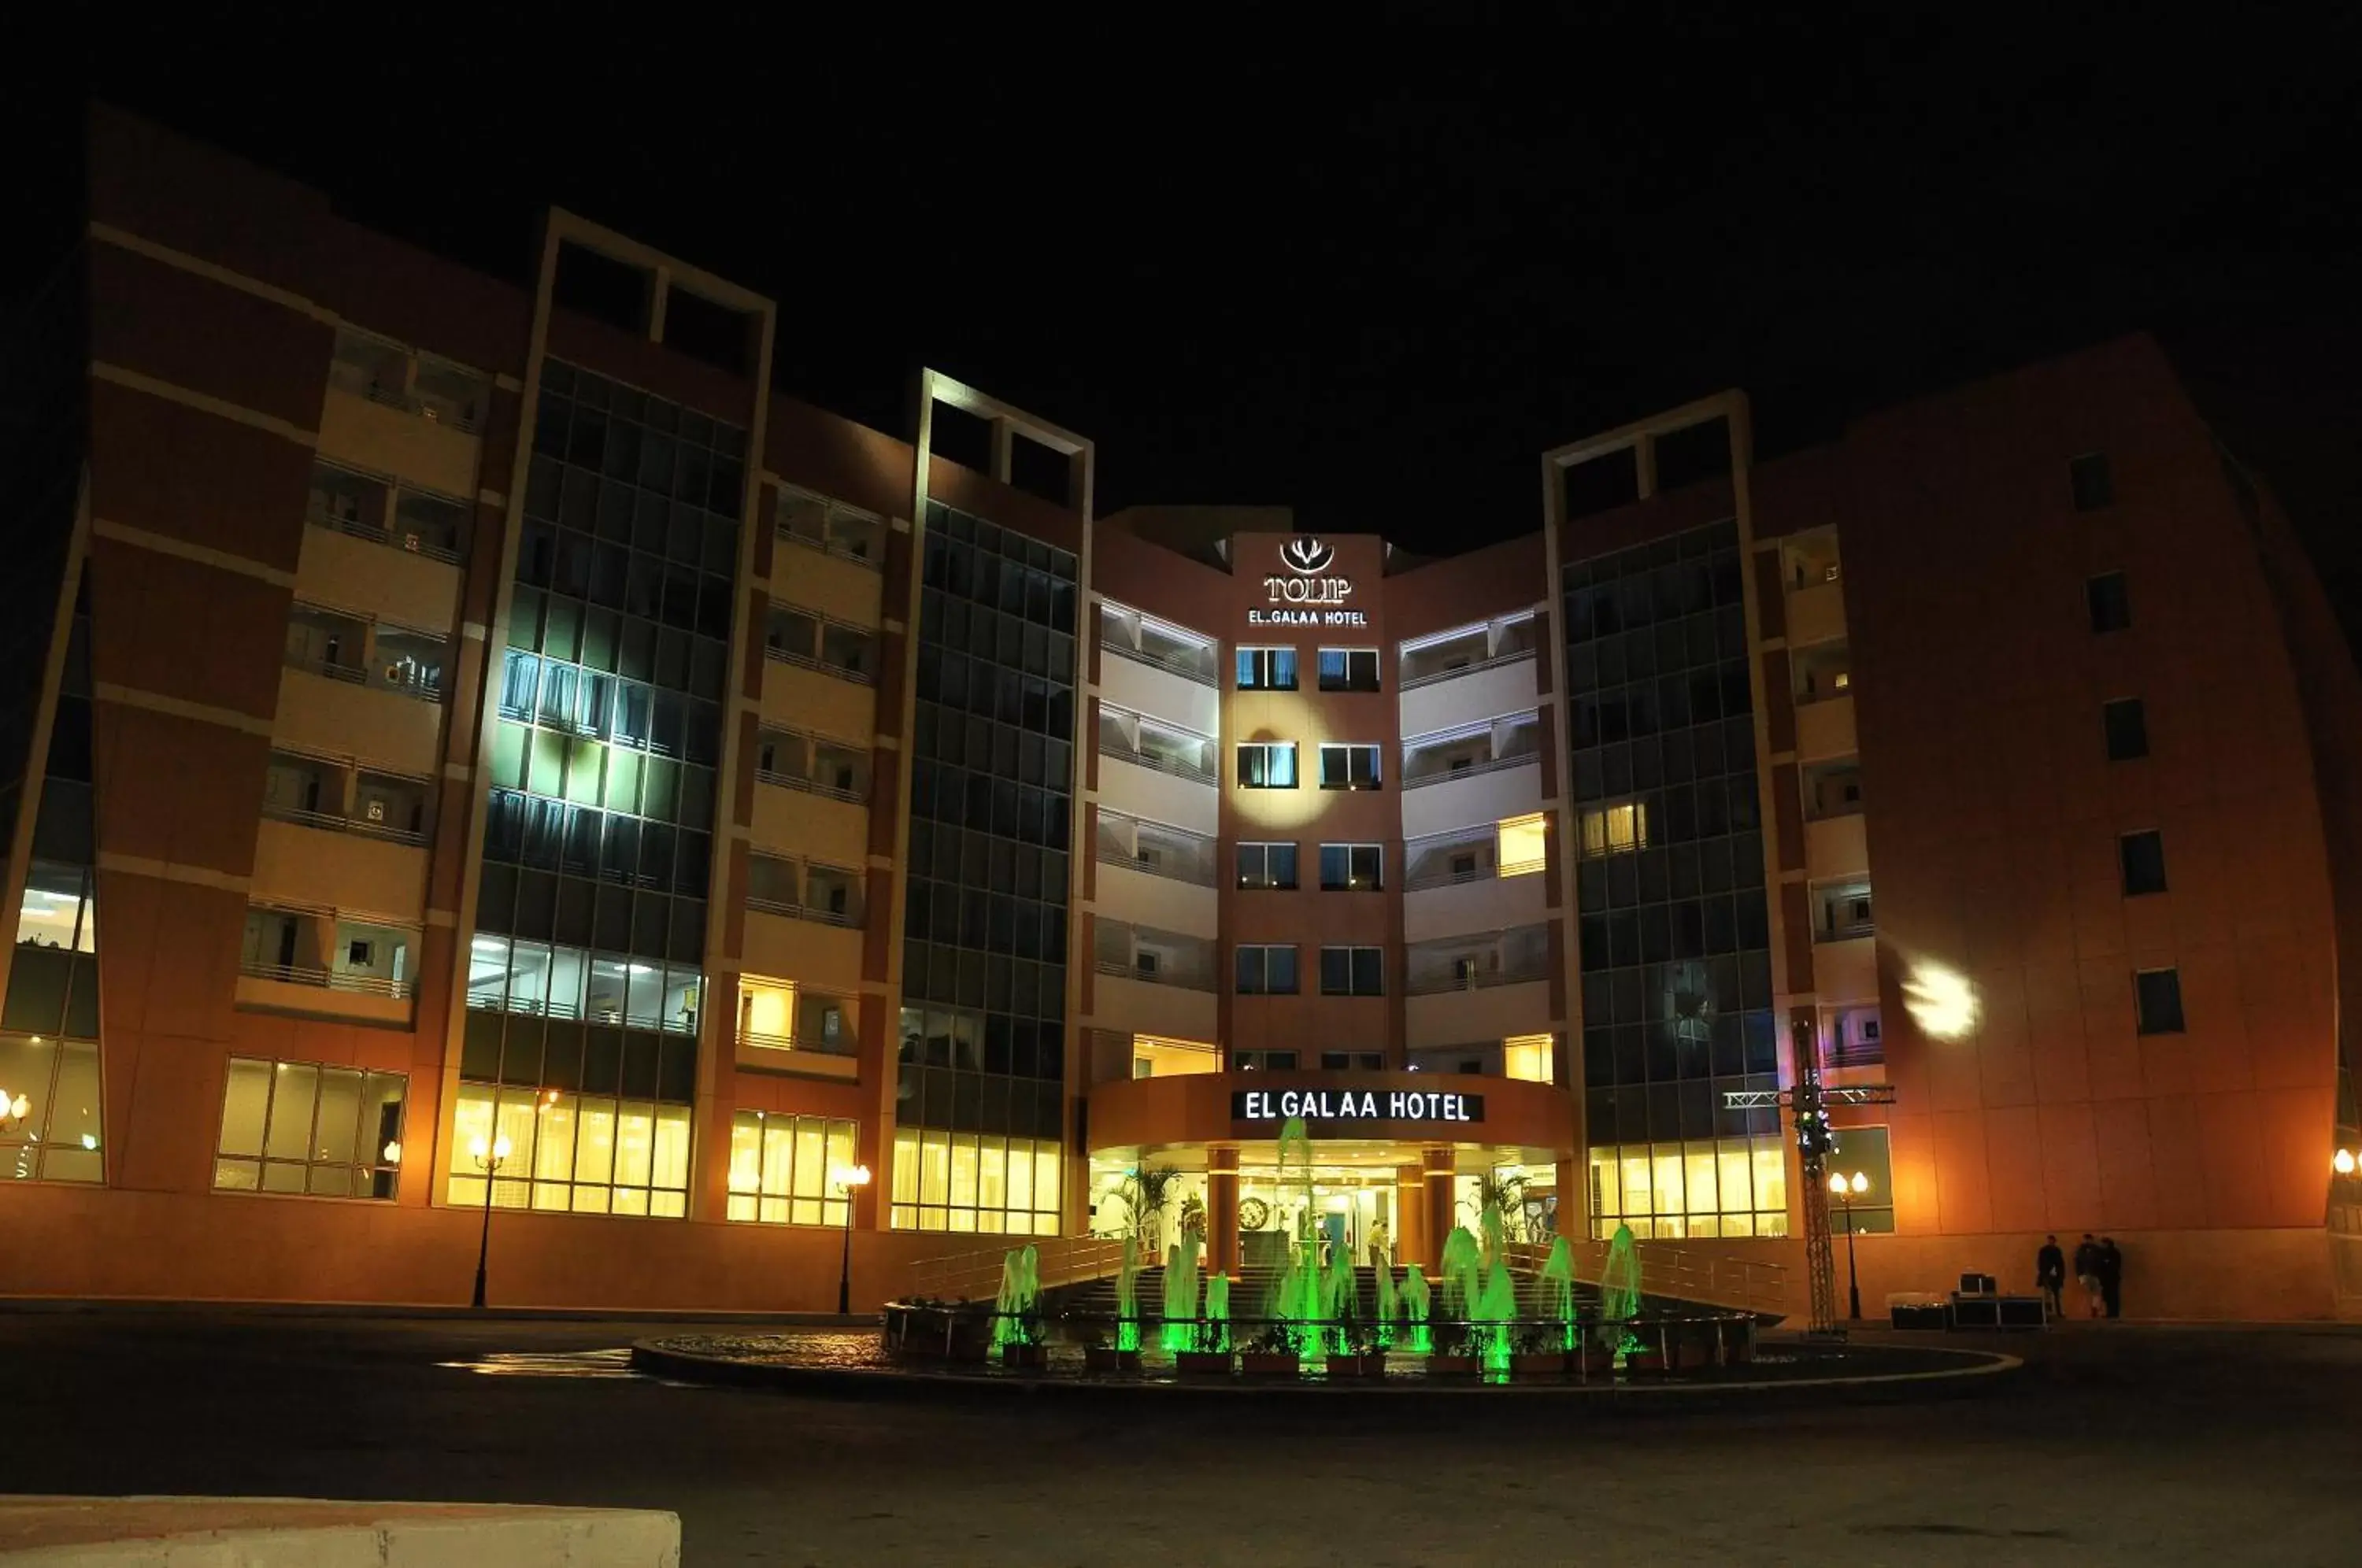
1808 1101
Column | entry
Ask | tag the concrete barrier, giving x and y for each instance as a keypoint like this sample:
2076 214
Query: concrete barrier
291 1532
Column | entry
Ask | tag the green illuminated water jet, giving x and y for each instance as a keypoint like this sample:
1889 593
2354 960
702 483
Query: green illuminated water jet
1620 1294
1127 1297
1293 1305
1557 1273
1415 1310
1387 1305
1016 1311
1181 1294
1214 1330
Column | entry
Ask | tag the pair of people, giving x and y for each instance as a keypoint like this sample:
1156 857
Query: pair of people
2099 1269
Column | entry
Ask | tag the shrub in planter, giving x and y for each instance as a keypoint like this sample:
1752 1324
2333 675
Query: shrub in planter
1541 1351
1205 1362
1101 1355
1456 1352
1030 1358
1275 1351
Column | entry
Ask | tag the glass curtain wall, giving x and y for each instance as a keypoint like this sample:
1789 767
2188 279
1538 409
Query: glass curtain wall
584 983
1673 926
984 959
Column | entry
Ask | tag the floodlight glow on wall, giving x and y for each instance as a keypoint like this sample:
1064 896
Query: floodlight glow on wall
1940 1002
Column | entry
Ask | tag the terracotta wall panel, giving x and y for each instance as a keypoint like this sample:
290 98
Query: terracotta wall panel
176 471
177 628
200 811
204 337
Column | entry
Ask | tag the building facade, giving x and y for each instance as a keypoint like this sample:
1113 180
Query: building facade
537 776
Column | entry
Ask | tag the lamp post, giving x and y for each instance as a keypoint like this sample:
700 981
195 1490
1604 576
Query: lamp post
13 1110
846 1178
2343 1162
488 1159
1845 1189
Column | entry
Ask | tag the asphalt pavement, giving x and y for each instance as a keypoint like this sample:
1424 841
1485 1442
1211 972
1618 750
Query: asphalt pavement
2115 1444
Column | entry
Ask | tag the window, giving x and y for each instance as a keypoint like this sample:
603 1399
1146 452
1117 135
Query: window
1336 1061
1351 972
972 1181
2156 996
591 1153
1348 766
1267 866
1266 669
1863 1152
297 1127
2127 729
1616 830
1266 970
2143 856
1351 868
1702 1186
780 1168
1262 1061
1267 765
1529 1057
2111 604
2089 476
56 1138
1348 669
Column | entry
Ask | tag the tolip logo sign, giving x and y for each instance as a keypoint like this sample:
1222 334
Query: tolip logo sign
1305 555
1308 558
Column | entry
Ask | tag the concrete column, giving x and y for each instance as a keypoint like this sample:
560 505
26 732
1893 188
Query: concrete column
1222 1210
1411 1242
1436 1169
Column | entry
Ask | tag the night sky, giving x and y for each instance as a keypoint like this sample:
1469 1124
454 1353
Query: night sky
1376 290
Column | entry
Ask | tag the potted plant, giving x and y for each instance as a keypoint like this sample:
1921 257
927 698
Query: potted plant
1645 1348
1026 1347
1541 1351
1455 1352
1360 1357
1209 1351
1101 1353
1276 1351
1598 1352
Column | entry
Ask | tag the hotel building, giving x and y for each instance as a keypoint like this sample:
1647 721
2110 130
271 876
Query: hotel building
522 757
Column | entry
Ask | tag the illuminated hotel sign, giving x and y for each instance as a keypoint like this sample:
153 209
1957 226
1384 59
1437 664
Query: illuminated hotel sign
1355 1105
1305 595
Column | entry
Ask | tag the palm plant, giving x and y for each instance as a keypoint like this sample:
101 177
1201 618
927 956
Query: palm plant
1507 1193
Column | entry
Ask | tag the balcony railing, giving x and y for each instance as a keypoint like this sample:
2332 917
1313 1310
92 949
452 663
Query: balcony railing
810 1041
1413 683
465 417
1180 868
1160 763
809 785
1450 878
328 979
843 672
1200 670
795 911
410 543
831 547
1476 980
1184 979
1490 764
410 686
333 823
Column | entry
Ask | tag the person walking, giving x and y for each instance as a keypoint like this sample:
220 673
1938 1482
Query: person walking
2087 1274
2050 1276
2111 1276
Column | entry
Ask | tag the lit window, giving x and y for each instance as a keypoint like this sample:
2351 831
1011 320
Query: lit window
1266 669
1348 669
57 1137
1267 765
781 1166
588 1153
1733 1186
1269 865
299 1127
1531 1058
1522 841
1609 830
968 1183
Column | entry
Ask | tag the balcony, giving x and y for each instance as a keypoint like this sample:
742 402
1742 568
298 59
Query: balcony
1825 729
393 411
814 641
1169 775
1479 775
311 961
1488 898
1149 871
1472 673
1496 1006
836 564
783 1028
832 528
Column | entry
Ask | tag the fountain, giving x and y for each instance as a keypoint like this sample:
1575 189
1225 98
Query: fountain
1294 1303
1415 1311
1016 1311
1214 1333
1341 1292
1557 1273
1387 1305
1619 1293
1458 1272
1495 1318
1127 1297
1181 1293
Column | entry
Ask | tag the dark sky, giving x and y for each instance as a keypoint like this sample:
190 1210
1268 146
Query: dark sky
1375 289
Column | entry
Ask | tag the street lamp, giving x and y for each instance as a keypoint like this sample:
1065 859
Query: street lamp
2343 1162
15 1109
488 1159
845 1179
1845 1189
